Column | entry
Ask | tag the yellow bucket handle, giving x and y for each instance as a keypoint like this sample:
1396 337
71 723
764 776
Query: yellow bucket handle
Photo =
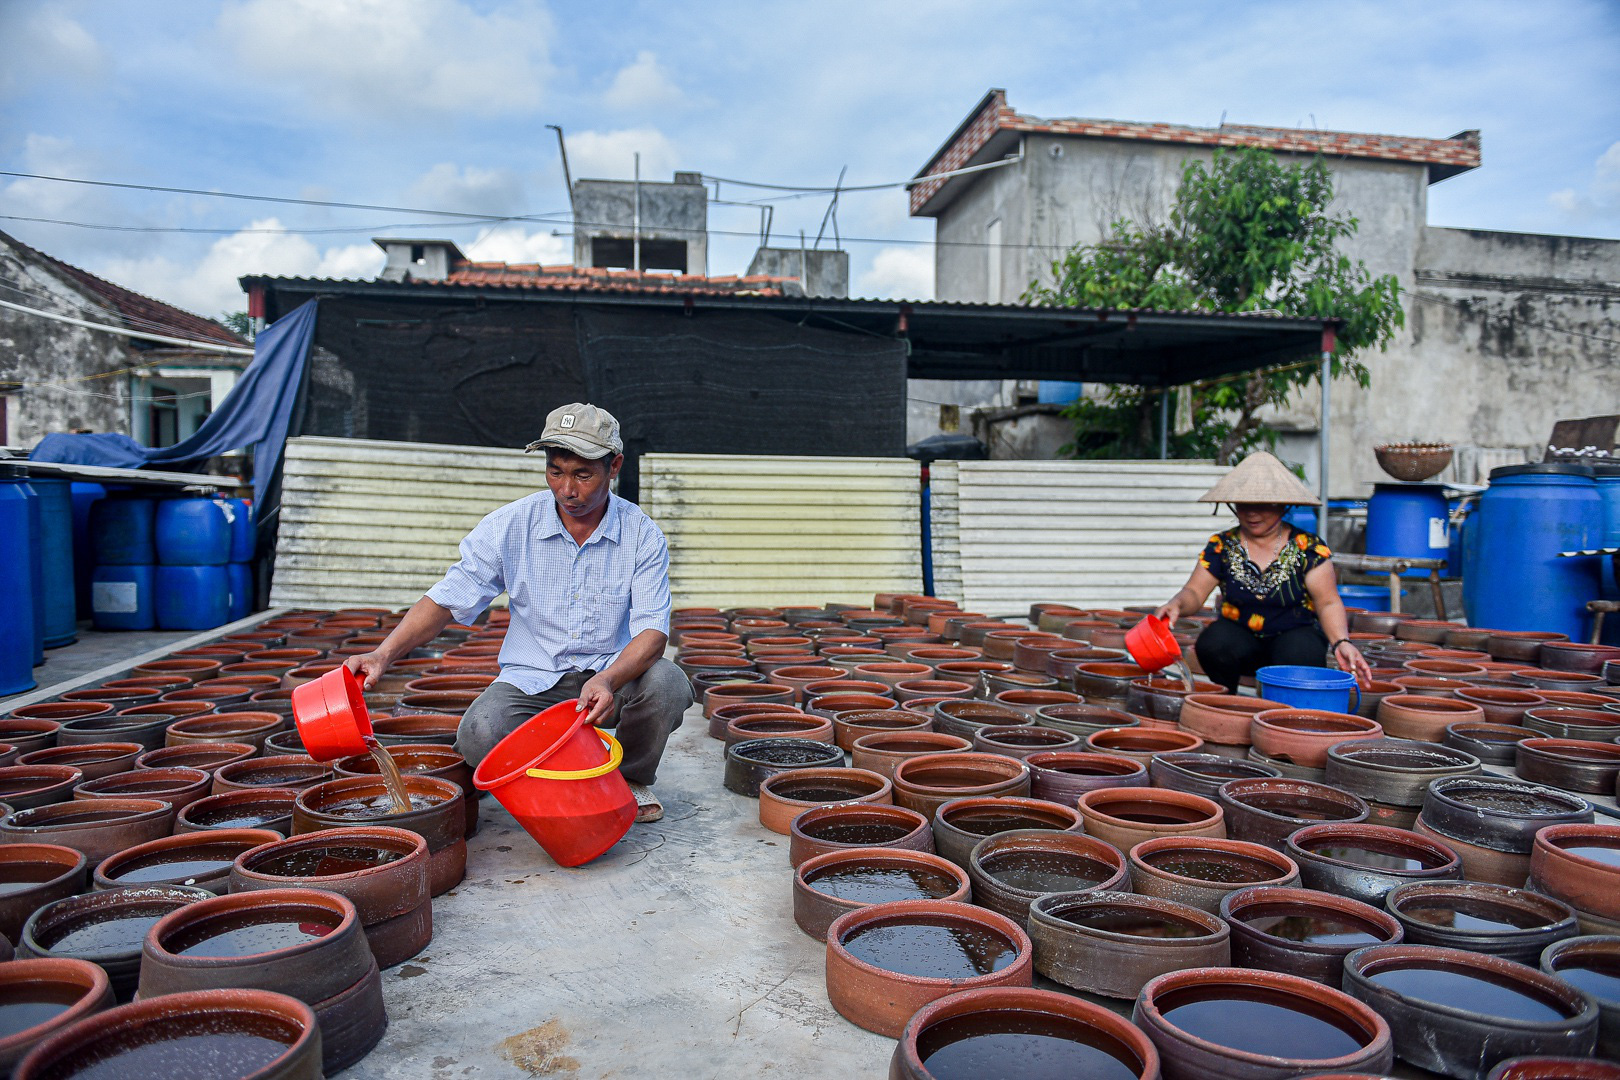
615 755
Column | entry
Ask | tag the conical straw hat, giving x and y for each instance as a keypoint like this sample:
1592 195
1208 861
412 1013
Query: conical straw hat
1260 478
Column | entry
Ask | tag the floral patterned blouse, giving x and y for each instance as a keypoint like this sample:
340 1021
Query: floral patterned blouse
1271 601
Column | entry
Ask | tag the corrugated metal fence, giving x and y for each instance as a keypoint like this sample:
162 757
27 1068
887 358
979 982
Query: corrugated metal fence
747 531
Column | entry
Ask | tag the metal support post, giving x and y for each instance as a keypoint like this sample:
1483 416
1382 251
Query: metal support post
1164 423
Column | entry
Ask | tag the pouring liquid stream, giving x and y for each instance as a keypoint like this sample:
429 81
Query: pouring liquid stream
389 771
1179 667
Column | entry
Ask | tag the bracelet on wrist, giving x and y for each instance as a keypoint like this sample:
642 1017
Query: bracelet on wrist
1335 646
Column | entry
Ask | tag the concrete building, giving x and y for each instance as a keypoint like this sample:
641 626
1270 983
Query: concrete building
59 377
1505 334
820 271
642 224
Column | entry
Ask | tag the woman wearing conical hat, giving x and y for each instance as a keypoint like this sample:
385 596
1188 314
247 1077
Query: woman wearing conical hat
1279 594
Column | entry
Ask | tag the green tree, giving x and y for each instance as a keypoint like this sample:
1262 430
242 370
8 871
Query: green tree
1245 233
239 323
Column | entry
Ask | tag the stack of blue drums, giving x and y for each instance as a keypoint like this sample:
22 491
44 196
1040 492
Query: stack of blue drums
124 552
1409 521
239 570
191 589
17 543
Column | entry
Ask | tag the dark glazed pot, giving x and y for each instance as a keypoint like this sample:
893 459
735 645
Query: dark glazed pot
844 827
1114 943
97 827
1561 722
177 786
295 771
205 757
1394 771
1580 865
123 917
23 787
1083 719
882 1000
1201 871
415 727
1203 774
195 1017
23 734
77 984
237 727
1503 815
1493 744
927 782
1106 683
1468 1042
961 823
964 718
748 763
267 808
988 1012
1493 920
1009 870
147 729
442 822
202 860
1364 861
1161 697
1580 960
1063 776
93 760
914 875
1570 764
1269 811
1303 932
1021 741
35 875
1188 1056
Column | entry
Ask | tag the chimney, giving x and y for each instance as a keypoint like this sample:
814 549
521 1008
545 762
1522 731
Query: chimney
417 260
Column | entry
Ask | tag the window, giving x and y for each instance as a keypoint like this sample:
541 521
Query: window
163 417
992 254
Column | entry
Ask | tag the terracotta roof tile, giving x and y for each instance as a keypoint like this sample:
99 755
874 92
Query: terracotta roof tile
588 278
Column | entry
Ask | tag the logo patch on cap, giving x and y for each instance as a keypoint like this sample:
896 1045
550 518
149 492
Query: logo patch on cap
566 421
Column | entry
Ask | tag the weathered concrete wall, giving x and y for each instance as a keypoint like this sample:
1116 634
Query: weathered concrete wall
52 359
676 212
823 273
1505 333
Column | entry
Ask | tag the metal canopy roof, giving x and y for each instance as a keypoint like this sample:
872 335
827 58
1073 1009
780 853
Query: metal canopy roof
946 340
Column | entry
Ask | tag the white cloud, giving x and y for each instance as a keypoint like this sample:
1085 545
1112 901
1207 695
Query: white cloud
209 287
396 59
610 155
1602 194
644 84
49 155
46 45
899 273
469 189
512 244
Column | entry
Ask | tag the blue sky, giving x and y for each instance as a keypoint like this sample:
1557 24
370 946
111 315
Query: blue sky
443 104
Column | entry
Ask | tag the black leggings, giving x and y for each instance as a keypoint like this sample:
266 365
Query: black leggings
1227 652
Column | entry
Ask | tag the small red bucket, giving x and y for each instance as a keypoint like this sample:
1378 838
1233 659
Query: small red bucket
331 715
578 805
1151 644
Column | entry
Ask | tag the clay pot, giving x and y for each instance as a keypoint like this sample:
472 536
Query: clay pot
24 735
117 698
1106 682
1492 744
1020 741
191 668
937 689
1588 881
77 984
173 860
1161 697
1027 701
145 729
754 693
1286 768
1063 776
391 898
1410 716
1142 744
1394 771
1202 774
1373 693
1500 704
410 729
174 785
224 698
1466 1042
964 718
1542 679
1520 645
190 1016
1493 920
1269 811
1083 719
35 875
1252 1050
1304 736
241 727
723 715
923 875
960 824
1435 686
1568 960
882 1000
1201 871
442 823
1497 813
1364 862
785 796
748 763
1576 656
1113 943
204 757
93 760
1570 764
1565 723
53 930
1221 718
425 759
927 782
847 826
778 726
98 827
1282 929
881 751
258 808
832 706
438 703
990 1011
1125 816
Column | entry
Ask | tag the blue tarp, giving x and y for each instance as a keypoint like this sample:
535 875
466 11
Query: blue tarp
256 413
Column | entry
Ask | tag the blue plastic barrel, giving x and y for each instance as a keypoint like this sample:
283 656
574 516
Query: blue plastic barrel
191 597
56 549
1408 521
1053 392
16 584
36 568
85 495
122 531
240 577
1608 486
1302 517
1369 597
192 532
1515 580
1308 687
243 535
121 597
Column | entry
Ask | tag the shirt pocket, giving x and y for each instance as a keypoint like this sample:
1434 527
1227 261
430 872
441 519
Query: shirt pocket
607 612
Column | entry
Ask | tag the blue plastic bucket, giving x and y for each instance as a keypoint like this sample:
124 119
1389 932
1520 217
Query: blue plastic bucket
1308 687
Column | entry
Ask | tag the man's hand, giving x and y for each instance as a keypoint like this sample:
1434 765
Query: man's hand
595 698
367 667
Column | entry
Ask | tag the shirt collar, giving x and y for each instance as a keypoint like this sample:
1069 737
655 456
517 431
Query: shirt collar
608 528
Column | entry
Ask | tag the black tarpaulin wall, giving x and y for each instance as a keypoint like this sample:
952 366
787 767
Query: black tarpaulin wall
715 383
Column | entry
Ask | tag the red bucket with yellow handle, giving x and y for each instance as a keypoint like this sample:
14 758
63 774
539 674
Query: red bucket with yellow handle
559 776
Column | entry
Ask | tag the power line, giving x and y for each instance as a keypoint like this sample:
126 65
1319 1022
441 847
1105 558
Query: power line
287 230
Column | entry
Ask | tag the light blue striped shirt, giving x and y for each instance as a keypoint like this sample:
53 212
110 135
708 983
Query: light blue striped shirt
574 606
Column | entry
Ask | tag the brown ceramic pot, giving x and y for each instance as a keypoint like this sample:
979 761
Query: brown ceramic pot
1142 744
205 757
1501 705
785 796
98 827
34 875
881 751
1364 861
1493 744
80 986
829 885
1113 943
1062 776
1412 716
1201 871
835 705
846 826
1125 816
174 785
960 824
1020 741
1304 736
441 822
1268 811
1580 865
926 782
260 808
242 727
1570 764
1480 917
200 859
24 735
415 728
93 760
1222 718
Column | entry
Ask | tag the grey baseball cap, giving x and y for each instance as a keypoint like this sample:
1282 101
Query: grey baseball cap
580 429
